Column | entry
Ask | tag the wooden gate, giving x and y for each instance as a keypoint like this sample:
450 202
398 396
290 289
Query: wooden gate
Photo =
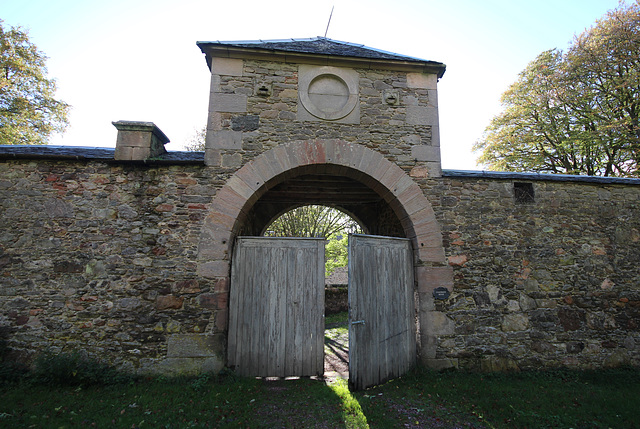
276 307
382 338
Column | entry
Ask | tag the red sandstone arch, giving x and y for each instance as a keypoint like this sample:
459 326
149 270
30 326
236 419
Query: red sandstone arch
232 202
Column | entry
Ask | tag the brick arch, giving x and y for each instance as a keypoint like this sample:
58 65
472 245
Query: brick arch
231 204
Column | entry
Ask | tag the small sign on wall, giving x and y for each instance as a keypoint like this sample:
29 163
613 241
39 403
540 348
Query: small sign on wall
441 293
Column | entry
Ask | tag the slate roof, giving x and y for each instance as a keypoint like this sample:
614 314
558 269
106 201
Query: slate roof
548 177
321 46
92 154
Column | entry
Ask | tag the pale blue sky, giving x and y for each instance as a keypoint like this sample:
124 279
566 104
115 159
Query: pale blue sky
137 60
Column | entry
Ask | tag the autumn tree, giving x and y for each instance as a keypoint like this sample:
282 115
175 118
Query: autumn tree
29 113
574 112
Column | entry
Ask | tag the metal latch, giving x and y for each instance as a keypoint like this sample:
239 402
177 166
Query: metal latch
357 322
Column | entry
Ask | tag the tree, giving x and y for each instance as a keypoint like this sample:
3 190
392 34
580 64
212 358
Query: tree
336 252
318 221
29 113
574 112
196 144
312 221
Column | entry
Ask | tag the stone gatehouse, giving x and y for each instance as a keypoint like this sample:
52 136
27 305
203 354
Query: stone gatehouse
126 253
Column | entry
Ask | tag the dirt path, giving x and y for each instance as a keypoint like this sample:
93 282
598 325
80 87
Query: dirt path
336 351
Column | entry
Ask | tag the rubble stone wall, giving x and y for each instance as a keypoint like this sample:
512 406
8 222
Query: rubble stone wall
553 282
244 122
102 257
129 260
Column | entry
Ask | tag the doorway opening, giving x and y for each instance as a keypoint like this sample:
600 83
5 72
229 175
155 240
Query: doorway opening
334 225
387 202
277 283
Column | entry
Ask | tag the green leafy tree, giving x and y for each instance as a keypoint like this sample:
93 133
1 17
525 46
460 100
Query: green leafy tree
311 221
29 113
336 252
574 112
318 221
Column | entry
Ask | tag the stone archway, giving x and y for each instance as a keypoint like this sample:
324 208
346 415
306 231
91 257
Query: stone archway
232 203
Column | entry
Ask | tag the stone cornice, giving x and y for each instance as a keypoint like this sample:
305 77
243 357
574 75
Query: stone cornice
221 50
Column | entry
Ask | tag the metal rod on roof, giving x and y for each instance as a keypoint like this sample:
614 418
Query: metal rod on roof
330 15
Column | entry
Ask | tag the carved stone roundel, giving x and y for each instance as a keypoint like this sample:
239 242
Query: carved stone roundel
328 93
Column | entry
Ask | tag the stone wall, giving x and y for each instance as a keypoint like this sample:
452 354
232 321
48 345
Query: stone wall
553 282
101 257
336 299
129 259
244 122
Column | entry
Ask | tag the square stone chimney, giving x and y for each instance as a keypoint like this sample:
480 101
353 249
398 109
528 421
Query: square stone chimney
138 141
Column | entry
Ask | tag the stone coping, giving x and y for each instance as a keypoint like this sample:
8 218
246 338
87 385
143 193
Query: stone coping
142 126
188 157
93 154
508 175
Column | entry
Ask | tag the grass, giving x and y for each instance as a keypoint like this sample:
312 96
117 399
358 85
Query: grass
336 318
178 403
560 398
337 328
593 399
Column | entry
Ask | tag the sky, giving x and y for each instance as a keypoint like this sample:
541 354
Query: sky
137 60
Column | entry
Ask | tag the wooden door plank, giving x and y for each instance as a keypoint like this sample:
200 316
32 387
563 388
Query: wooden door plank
381 290
280 316
277 305
271 328
319 306
233 310
298 328
250 338
291 316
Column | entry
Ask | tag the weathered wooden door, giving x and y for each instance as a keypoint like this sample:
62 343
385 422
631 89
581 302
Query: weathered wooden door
276 307
382 338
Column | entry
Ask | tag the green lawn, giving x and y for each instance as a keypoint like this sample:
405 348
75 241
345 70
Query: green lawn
596 399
